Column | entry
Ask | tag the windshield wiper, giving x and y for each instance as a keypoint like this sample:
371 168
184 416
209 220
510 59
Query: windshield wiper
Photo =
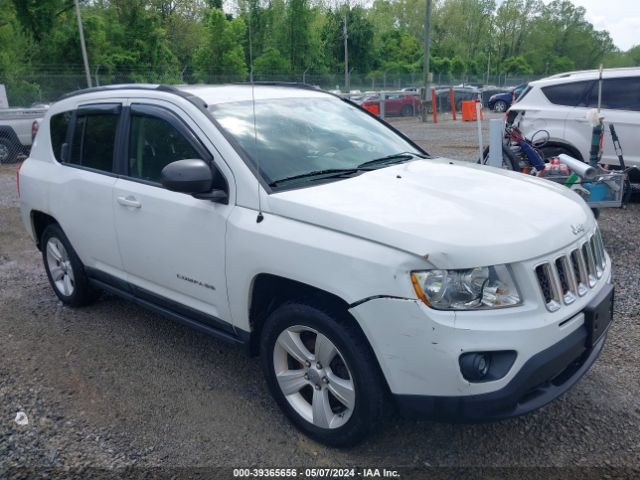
392 159
338 172
326 173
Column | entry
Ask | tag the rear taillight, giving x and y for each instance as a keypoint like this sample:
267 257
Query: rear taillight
34 129
18 178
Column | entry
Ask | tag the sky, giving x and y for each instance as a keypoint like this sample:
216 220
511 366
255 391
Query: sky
621 18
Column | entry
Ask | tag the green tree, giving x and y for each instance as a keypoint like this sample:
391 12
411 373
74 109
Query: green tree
561 30
458 66
517 66
630 58
15 45
222 53
271 62
37 17
462 28
360 38
399 47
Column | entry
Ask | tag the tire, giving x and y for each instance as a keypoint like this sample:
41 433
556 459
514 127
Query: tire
552 151
500 106
509 160
8 151
288 350
407 111
64 269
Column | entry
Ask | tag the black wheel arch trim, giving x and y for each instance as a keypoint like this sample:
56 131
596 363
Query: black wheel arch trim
560 144
9 134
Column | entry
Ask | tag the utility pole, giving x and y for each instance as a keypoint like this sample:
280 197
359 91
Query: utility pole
426 95
345 34
83 47
488 68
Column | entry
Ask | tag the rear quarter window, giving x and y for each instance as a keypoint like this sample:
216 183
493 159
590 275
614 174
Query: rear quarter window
524 93
58 125
570 94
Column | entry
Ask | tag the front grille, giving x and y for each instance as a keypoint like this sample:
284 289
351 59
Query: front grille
545 284
567 277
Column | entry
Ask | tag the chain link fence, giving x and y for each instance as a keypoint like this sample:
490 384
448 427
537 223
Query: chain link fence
37 90
46 87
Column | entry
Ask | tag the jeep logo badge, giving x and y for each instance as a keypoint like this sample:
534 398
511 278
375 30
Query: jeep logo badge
577 229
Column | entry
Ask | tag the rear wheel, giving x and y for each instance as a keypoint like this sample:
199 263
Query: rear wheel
322 373
8 151
64 269
550 151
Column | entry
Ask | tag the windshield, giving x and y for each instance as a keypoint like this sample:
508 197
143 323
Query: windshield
298 136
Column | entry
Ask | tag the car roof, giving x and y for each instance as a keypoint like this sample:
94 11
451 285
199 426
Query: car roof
217 94
578 75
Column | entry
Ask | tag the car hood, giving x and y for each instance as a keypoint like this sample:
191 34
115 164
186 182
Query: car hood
458 215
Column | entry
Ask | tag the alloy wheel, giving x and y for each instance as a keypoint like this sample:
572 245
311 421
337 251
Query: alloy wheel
60 267
314 377
500 106
4 152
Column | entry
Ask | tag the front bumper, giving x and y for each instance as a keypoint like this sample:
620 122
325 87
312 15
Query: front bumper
542 379
418 350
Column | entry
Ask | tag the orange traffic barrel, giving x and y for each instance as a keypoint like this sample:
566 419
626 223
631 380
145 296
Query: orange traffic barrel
469 111
373 108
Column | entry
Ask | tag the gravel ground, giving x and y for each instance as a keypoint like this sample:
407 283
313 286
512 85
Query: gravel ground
113 386
458 140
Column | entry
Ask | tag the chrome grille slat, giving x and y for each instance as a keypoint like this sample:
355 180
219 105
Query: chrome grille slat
567 280
596 256
580 271
587 252
564 279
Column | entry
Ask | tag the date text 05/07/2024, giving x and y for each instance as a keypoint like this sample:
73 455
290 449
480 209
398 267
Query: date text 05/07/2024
315 473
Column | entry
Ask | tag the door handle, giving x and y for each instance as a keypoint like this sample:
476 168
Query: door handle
129 201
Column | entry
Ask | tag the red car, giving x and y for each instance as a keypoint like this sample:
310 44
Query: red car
396 103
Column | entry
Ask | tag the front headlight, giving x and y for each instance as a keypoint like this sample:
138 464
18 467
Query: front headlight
471 289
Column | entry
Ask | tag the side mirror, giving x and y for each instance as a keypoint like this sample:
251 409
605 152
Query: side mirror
194 177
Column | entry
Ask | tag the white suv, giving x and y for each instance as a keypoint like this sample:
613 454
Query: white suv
364 273
560 105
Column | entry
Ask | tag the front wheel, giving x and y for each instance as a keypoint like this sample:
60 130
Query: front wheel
322 373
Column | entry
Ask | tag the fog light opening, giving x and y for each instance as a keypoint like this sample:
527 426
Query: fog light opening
478 367
475 366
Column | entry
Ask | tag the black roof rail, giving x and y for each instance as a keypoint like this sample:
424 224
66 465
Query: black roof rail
272 83
177 91
123 86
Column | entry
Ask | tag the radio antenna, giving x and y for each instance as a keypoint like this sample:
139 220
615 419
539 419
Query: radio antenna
255 129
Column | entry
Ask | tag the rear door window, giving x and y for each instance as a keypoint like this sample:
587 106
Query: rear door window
617 94
570 94
94 137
